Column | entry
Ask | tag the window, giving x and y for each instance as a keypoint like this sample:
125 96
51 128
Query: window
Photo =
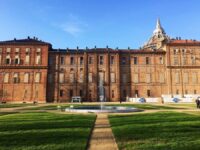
8 50
8 60
26 77
113 93
81 77
195 91
101 60
124 78
135 78
113 77
71 93
71 77
16 78
38 50
27 51
194 78
185 77
135 60
17 60
147 60
193 60
6 78
112 60
123 60
37 77
61 93
176 77
81 60
124 93
148 93
71 60
186 91
175 60
162 77
90 78
148 78
161 60
90 60
27 59
136 93
62 60
17 50
81 93
177 92
101 77
61 77
184 60
38 59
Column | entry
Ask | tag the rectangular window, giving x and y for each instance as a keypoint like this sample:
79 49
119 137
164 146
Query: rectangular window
112 60
124 78
195 91
113 93
27 51
148 93
161 60
148 78
101 60
61 93
6 78
135 60
81 93
71 60
113 77
38 50
193 59
27 59
147 60
185 77
17 50
90 78
184 60
8 60
81 77
123 60
37 77
8 50
101 77
71 93
175 60
61 77
135 78
62 60
177 78
71 77
90 61
136 93
26 77
38 60
162 77
81 60
194 78
186 91
16 78
17 60
177 92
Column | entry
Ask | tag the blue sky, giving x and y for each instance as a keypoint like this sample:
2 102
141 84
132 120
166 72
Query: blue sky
116 23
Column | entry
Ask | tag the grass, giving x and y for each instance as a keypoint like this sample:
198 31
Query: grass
43 130
15 105
157 131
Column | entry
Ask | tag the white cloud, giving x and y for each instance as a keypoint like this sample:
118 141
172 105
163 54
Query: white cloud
73 26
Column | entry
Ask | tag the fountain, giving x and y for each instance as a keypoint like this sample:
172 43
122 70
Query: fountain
101 108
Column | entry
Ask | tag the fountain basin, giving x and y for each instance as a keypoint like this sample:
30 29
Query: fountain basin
102 109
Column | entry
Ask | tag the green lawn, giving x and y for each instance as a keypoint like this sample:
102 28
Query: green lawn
15 105
44 131
157 131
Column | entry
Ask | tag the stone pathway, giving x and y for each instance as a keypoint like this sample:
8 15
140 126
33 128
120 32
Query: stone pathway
102 137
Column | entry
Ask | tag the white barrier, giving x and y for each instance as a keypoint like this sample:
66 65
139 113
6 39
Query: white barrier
148 100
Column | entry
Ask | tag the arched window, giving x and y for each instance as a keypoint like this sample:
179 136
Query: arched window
16 78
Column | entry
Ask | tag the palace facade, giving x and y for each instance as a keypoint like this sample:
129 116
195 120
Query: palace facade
32 71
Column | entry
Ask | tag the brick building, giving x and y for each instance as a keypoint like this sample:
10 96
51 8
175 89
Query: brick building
32 71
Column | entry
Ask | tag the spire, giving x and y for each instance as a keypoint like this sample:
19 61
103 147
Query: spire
159 30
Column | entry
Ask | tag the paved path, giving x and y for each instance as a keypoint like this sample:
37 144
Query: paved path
102 137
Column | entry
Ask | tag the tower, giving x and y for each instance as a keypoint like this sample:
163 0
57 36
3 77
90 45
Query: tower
158 38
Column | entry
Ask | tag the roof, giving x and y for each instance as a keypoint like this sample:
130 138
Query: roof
110 50
183 42
28 41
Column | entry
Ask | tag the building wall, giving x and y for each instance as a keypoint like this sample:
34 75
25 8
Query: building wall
16 89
